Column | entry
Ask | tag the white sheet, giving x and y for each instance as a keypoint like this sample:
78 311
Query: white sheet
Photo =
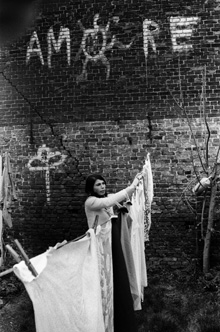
66 295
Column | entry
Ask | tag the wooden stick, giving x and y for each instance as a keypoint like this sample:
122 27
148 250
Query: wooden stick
6 272
26 259
16 257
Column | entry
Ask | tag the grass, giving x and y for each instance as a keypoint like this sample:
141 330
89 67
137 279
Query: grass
175 304
175 301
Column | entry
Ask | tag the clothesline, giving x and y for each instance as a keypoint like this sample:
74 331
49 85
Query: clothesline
25 257
86 233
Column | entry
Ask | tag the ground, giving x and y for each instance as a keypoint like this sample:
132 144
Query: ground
175 301
16 310
15 315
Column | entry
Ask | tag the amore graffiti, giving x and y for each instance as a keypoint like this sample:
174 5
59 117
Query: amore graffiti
96 41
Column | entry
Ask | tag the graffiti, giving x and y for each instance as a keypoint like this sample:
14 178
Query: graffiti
99 39
149 35
34 47
181 29
216 5
64 35
46 160
94 45
31 49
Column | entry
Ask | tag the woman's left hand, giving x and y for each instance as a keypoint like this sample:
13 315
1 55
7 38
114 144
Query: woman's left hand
137 179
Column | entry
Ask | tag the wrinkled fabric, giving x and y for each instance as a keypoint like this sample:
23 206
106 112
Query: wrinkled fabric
148 193
66 294
104 241
7 191
102 207
125 220
137 240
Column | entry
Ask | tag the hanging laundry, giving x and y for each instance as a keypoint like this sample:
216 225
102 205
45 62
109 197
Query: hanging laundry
103 207
137 240
66 294
124 317
7 191
125 222
148 193
104 245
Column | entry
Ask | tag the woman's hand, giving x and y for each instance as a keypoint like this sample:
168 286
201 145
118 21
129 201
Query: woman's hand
137 179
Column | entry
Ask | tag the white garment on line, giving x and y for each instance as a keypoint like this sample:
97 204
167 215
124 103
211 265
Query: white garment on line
66 294
104 241
129 260
148 193
137 240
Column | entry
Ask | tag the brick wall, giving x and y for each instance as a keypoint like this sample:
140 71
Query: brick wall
102 92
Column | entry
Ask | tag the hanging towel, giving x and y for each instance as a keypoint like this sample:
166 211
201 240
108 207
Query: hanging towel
66 294
7 191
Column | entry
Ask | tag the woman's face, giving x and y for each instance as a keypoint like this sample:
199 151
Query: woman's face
99 187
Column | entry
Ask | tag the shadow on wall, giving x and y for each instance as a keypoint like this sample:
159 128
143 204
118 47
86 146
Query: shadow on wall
15 16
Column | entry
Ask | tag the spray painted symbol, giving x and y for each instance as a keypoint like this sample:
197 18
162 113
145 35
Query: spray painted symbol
46 160
95 43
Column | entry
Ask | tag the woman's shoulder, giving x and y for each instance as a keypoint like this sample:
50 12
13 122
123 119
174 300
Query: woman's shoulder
90 200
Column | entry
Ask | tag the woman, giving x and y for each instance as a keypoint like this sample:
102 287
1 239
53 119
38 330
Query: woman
100 204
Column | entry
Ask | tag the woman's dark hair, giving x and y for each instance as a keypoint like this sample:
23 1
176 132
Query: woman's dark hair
90 181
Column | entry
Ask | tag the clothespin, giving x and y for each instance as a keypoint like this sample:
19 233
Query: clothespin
17 258
95 223
26 259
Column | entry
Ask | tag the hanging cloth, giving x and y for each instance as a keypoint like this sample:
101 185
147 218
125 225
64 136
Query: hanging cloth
137 239
125 220
7 191
104 245
66 294
124 317
148 193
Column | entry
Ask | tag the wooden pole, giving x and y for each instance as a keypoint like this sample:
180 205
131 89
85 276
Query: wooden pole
207 240
1 221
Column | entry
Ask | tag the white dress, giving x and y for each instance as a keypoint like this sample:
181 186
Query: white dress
104 240
137 239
